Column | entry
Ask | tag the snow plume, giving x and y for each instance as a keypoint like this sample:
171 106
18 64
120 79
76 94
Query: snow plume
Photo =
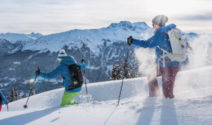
200 56
146 57
192 81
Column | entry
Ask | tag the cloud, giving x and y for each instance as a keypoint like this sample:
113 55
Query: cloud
24 2
49 16
199 17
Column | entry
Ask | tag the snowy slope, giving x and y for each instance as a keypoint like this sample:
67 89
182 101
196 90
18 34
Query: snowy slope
192 105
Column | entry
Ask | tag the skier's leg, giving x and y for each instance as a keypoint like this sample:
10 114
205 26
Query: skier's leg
153 87
165 81
173 73
68 97
73 95
65 100
0 108
153 84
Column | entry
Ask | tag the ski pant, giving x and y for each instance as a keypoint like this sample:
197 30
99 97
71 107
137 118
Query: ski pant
168 77
0 108
68 98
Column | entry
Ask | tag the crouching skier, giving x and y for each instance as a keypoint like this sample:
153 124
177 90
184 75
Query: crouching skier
3 100
71 74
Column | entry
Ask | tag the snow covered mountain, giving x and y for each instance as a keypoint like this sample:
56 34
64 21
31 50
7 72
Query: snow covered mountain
192 105
92 38
21 54
14 37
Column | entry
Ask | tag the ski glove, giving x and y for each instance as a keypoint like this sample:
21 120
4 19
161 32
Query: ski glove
37 73
129 40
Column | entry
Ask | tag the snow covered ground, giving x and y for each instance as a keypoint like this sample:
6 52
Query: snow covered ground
192 105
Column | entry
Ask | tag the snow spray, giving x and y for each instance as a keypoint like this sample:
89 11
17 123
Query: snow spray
193 80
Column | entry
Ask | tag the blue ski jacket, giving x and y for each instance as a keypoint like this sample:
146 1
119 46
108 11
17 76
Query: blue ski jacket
4 100
159 40
62 70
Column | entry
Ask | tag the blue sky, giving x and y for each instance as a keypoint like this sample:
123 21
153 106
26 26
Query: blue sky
51 16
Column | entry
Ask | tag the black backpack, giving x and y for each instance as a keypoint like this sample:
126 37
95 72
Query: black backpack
76 75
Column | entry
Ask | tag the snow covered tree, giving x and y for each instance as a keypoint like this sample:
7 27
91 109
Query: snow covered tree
14 95
126 69
116 72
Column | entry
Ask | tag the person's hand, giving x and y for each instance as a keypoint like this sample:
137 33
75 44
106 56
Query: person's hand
82 60
37 72
129 40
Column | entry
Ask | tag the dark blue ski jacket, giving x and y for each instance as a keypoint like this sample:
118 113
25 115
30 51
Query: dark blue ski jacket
3 100
159 40
62 70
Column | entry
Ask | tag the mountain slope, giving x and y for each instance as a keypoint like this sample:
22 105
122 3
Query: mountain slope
101 48
192 105
92 38
14 37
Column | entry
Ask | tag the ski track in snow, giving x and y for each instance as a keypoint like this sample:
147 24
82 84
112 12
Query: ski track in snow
192 105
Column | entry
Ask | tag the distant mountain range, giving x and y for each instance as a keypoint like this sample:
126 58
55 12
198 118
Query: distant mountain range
20 54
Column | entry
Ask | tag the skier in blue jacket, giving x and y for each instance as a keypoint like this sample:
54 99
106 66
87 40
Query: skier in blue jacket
3 100
167 69
62 70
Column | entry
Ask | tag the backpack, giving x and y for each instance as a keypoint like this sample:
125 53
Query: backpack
76 75
179 46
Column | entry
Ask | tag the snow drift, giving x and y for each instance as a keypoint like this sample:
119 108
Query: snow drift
192 105
192 83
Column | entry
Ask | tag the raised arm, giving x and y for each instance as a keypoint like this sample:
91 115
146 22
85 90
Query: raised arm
150 43
53 74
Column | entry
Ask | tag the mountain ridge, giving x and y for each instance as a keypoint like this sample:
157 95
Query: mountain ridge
101 48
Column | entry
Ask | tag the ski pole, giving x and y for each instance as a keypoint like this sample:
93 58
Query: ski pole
84 74
120 91
122 78
86 88
25 106
7 108
30 91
